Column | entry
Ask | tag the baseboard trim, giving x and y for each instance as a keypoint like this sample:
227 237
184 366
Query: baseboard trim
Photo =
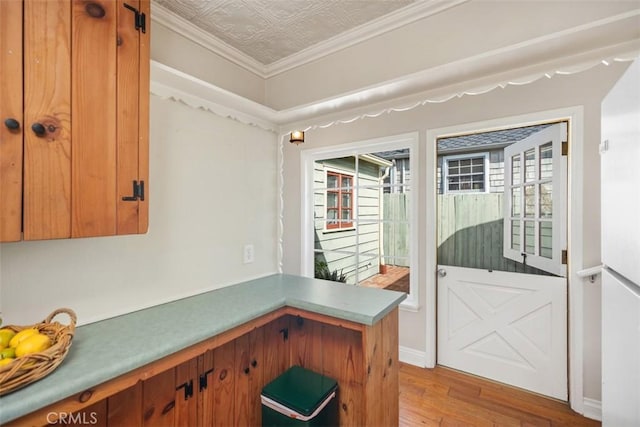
592 409
413 357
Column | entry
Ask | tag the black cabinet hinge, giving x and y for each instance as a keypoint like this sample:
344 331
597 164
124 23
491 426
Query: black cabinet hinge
138 192
188 389
139 18
203 383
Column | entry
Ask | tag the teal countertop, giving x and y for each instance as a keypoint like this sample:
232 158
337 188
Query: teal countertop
107 349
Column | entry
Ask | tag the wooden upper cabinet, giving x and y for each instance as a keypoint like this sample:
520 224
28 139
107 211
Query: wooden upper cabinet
79 76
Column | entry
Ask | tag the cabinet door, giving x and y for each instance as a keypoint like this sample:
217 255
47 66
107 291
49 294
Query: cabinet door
10 108
110 118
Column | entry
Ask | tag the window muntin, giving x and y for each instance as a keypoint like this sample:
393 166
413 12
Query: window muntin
466 173
339 200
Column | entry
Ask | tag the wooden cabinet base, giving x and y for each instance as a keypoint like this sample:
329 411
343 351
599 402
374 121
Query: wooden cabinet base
218 381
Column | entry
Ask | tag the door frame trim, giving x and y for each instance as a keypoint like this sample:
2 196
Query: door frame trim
575 116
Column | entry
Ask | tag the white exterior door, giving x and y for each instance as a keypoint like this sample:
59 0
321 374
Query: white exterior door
509 327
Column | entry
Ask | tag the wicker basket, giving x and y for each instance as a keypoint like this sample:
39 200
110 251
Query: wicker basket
27 369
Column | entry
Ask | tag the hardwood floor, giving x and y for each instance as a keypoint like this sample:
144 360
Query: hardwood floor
444 397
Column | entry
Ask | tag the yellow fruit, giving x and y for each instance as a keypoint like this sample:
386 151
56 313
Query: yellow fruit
5 337
6 361
33 344
8 353
21 336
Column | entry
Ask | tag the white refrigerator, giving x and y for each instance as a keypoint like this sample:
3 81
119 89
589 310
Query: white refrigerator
620 166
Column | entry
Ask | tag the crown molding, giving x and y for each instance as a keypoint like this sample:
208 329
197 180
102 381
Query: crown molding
391 21
165 17
552 54
396 19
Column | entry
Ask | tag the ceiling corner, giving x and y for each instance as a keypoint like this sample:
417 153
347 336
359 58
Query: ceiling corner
165 17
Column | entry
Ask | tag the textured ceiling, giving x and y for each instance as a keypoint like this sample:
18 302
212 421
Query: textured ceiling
269 30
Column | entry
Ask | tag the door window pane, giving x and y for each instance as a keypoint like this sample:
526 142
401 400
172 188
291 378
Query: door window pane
546 239
515 169
546 200
515 201
530 165
529 201
515 235
529 237
546 161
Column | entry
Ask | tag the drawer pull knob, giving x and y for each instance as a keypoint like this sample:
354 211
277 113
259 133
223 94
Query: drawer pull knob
38 129
12 124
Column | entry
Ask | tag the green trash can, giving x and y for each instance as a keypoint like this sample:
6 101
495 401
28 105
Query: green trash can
300 397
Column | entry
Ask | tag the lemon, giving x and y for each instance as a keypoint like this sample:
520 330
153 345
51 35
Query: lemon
5 337
34 343
6 361
8 353
21 336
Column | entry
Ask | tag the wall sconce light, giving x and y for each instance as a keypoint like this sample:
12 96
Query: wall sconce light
296 137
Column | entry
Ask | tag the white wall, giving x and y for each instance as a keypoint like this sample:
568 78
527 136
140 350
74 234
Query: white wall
212 189
587 89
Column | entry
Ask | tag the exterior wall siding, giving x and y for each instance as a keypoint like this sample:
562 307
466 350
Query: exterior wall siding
340 246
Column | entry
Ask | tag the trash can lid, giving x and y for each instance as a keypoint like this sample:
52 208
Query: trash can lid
300 389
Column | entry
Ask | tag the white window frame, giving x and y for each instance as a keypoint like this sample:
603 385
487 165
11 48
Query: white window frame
307 159
445 172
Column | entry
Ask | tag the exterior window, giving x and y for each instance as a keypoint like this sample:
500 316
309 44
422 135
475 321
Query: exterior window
466 173
339 200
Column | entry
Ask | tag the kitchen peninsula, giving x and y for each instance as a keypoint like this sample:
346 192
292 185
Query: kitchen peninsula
204 359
